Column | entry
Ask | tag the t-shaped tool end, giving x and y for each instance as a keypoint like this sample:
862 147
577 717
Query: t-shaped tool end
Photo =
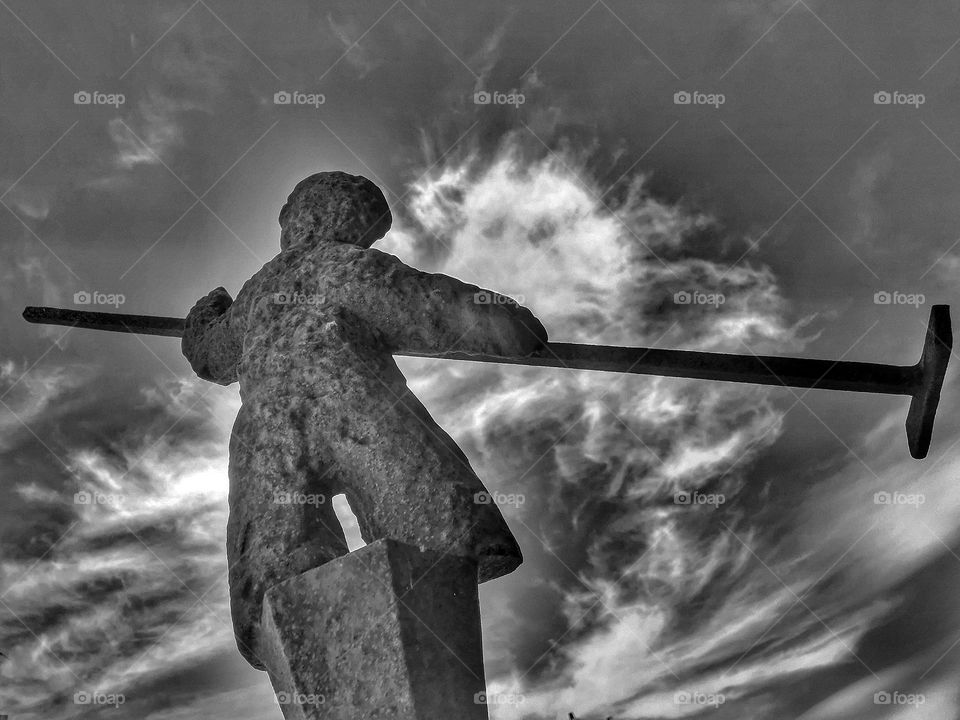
930 371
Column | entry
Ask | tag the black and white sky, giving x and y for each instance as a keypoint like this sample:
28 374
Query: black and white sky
587 188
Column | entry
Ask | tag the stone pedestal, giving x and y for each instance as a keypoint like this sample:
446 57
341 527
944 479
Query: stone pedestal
386 631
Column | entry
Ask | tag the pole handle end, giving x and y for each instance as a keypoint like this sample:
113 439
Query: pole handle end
931 369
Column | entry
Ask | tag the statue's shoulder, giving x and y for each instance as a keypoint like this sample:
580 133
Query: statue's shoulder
382 263
329 264
342 259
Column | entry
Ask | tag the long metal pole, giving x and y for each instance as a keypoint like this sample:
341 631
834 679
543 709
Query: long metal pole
758 369
921 381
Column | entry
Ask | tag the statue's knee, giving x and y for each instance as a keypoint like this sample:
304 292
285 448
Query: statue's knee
313 554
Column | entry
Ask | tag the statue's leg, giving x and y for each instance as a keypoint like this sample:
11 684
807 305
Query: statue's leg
282 522
406 479
391 630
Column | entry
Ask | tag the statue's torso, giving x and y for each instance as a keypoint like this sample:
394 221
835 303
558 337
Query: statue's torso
301 328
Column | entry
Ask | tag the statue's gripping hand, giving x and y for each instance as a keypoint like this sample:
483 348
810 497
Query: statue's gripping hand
207 343
511 328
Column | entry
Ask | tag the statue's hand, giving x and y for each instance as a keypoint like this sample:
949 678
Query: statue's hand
195 345
210 307
522 336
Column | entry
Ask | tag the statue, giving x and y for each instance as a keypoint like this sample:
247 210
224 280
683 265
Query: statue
326 410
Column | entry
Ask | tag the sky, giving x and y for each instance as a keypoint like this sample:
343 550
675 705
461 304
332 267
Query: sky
730 176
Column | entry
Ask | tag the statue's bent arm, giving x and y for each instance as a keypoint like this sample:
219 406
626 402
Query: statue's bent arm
434 313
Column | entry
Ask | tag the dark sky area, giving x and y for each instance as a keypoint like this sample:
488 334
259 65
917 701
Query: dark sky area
810 187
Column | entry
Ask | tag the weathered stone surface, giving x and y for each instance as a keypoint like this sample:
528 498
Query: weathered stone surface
325 408
388 631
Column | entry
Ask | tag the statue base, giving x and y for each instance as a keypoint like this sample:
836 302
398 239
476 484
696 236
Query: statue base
386 631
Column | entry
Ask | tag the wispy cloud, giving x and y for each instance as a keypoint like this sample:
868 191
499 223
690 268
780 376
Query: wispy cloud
601 457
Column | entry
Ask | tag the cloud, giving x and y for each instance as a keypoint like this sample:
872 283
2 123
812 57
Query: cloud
349 32
600 457
867 196
135 585
33 203
188 71
29 275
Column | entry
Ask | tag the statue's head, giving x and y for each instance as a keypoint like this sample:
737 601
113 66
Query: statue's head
335 206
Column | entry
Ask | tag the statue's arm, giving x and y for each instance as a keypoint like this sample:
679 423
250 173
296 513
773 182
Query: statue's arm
210 342
434 313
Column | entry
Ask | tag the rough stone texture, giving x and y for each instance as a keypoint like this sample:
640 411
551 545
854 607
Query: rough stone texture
325 408
387 631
